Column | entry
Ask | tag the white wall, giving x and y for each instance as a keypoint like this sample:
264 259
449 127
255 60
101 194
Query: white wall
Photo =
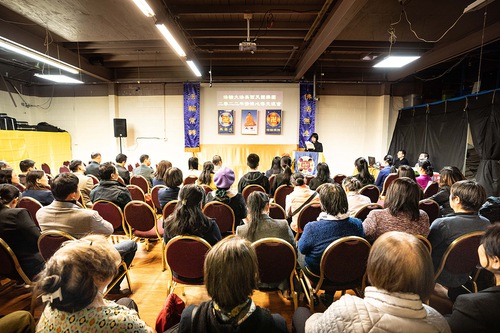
348 126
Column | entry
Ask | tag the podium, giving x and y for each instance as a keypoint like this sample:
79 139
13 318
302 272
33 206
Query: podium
306 161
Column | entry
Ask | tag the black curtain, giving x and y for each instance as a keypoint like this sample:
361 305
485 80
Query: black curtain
447 134
409 133
484 119
439 129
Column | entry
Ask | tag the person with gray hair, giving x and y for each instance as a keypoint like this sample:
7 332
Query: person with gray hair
73 283
351 186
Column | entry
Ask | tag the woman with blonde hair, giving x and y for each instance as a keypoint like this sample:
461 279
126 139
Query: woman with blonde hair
401 274
73 284
231 276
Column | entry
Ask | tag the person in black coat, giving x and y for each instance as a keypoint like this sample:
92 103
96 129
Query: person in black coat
318 146
478 312
19 231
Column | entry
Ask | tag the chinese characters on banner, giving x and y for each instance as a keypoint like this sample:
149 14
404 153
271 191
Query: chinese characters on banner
307 113
226 122
192 117
273 122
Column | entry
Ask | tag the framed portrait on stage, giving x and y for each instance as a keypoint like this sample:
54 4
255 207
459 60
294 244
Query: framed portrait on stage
249 121
273 122
225 122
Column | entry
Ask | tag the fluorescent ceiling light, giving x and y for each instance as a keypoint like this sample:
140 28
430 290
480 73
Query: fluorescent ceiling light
396 61
35 55
144 7
58 78
171 40
193 68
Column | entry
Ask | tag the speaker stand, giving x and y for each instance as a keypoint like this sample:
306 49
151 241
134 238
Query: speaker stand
121 144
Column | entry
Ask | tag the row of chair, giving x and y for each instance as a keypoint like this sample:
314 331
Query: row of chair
277 260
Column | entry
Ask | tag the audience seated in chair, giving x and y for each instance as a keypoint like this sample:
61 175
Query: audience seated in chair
19 231
282 178
224 179
217 162
479 312
159 174
144 169
333 223
173 181
351 186
193 167
260 225
447 177
86 184
188 219
207 176
254 176
384 172
123 172
38 188
426 171
362 173
322 176
109 188
231 308
93 166
9 176
275 167
401 212
65 215
296 200
400 272
25 166
466 197
73 283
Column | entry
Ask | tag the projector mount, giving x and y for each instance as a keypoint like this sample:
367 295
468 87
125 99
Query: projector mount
247 45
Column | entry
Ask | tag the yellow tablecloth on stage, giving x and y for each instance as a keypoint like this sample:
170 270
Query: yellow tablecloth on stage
42 147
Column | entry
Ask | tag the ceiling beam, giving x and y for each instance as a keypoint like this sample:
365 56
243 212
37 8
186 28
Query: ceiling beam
209 10
341 15
445 51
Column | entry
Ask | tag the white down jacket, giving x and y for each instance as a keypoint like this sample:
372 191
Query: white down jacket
379 312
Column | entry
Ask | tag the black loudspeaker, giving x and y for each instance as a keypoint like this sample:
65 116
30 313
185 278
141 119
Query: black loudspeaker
120 126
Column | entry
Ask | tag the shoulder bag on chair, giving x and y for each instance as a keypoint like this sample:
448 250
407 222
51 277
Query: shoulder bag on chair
295 212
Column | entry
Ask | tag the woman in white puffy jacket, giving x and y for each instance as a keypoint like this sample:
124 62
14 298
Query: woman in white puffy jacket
402 278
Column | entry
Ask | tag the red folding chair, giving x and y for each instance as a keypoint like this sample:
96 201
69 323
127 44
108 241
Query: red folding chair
223 215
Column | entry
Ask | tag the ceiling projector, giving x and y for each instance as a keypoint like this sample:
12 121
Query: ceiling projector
248 46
